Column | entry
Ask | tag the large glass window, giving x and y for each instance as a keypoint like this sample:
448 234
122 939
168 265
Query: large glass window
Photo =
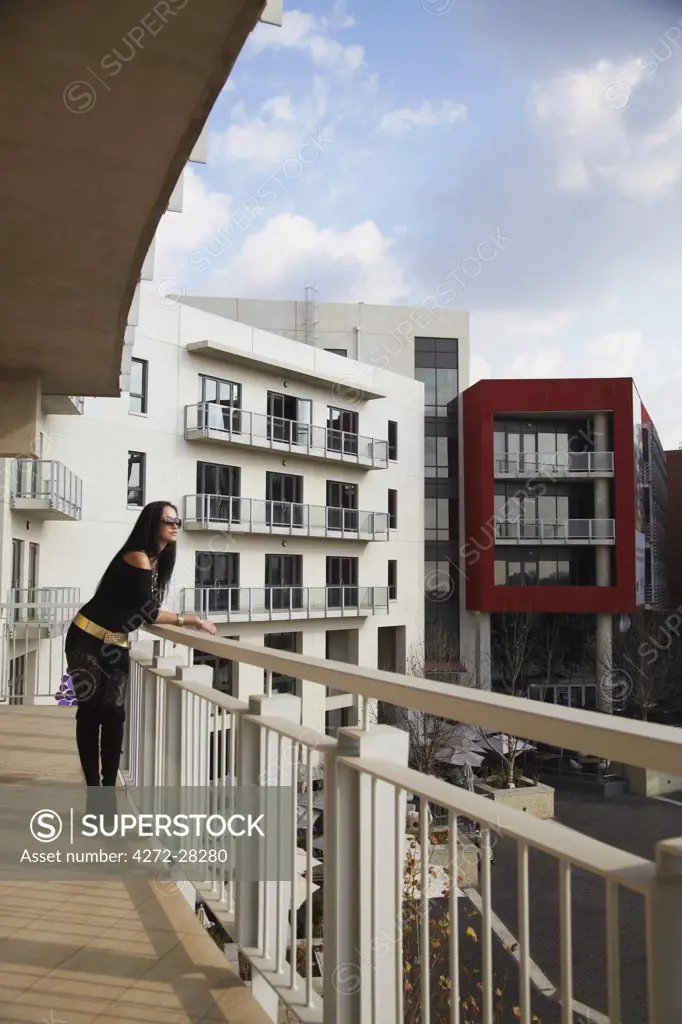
437 518
436 456
221 402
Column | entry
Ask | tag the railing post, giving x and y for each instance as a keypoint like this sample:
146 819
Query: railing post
265 759
664 934
360 971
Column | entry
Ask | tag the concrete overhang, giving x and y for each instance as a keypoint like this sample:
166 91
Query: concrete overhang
101 106
318 373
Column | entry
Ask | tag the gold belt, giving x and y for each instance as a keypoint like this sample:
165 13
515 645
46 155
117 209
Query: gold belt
118 639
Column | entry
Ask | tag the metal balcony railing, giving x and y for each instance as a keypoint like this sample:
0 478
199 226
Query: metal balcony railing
554 464
253 515
391 919
587 531
248 604
46 487
32 624
48 606
208 420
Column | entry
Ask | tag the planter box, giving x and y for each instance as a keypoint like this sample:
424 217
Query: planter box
534 798
468 856
646 782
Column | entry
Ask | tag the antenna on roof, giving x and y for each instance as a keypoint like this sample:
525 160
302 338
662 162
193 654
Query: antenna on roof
310 320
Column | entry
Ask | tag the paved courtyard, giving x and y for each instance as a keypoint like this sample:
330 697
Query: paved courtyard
632 823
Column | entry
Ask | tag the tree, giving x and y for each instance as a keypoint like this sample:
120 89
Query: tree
646 665
514 652
505 1010
433 740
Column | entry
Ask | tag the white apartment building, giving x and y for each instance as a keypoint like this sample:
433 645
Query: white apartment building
426 343
303 529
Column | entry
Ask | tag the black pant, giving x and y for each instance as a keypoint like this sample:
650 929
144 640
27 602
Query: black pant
99 735
100 684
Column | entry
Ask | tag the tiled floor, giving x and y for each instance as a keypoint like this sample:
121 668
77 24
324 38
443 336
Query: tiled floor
114 952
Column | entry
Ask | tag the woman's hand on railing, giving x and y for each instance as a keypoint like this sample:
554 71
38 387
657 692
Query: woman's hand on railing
208 627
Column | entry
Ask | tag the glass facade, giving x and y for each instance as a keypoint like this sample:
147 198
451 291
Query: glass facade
436 365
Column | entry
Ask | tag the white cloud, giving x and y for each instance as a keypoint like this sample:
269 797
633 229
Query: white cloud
179 234
586 114
313 35
348 266
428 115
273 134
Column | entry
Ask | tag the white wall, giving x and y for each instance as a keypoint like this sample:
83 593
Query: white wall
381 338
96 446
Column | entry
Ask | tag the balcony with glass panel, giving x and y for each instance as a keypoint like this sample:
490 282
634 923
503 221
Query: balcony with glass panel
218 512
46 489
212 422
520 465
568 531
269 604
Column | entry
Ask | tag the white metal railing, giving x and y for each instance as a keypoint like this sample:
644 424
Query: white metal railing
32 625
589 530
258 430
253 515
553 463
181 732
48 481
247 604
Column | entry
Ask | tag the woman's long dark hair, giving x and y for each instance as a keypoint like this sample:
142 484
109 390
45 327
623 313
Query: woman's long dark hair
145 536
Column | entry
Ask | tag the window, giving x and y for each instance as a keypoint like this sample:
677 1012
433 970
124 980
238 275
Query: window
216 575
17 572
436 456
342 582
342 430
392 579
392 440
289 418
436 367
221 402
33 550
545 568
438 581
392 509
138 386
137 462
338 351
437 518
342 505
283 499
223 669
218 493
283 576
282 683
17 680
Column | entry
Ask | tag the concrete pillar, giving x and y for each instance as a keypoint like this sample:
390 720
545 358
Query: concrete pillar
20 414
604 667
313 695
360 933
604 637
474 648
249 680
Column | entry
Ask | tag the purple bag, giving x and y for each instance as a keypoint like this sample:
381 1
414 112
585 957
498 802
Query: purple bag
65 695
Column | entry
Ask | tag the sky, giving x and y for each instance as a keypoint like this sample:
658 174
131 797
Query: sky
530 149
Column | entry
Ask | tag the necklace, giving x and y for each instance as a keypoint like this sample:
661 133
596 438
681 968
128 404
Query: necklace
155 579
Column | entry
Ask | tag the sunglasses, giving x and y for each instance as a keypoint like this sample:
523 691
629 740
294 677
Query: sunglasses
170 521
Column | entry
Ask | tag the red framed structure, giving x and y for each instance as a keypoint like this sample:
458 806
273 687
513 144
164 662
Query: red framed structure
488 399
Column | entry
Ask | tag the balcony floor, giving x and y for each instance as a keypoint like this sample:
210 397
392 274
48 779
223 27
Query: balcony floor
118 952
